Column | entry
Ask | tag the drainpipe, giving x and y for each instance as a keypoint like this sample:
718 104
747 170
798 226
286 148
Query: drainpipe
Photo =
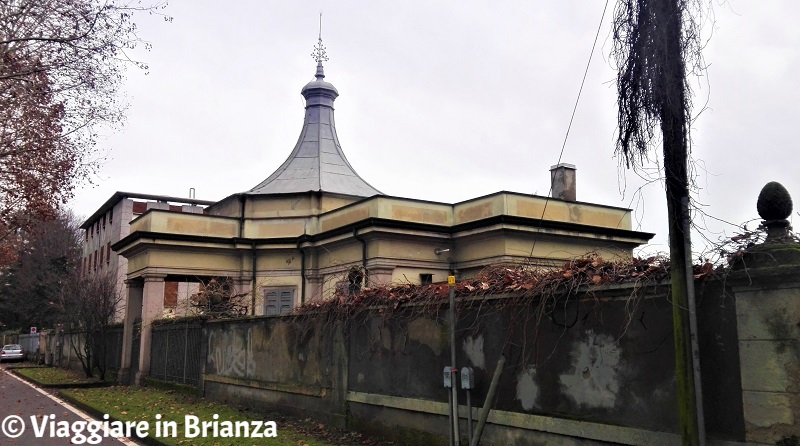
241 235
302 272
363 255
242 203
242 199
253 297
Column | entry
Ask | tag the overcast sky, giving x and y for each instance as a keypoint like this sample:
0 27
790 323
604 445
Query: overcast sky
447 101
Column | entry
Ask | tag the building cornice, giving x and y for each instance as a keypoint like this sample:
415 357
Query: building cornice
119 196
382 223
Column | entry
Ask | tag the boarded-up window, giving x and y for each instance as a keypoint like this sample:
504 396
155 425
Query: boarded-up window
170 294
139 207
278 301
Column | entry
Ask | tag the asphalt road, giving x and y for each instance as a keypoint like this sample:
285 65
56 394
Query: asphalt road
19 401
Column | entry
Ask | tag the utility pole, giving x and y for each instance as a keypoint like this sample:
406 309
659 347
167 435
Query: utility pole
451 282
674 131
652 39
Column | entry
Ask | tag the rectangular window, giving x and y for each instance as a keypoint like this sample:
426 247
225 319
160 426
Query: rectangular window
108 252
425 279
101 254
104 222
95 266
111 217
278 301
87 234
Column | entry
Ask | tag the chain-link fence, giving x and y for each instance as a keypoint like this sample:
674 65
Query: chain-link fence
175 352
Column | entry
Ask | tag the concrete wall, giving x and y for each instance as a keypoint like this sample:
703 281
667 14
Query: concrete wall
598 370
297 364
581 366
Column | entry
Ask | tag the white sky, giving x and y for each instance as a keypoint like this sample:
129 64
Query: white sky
446 101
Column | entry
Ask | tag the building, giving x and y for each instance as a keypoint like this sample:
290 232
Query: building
111 223
314 226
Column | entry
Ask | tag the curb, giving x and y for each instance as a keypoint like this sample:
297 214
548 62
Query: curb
89 385
98 415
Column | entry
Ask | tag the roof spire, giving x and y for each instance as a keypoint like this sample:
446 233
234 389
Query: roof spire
317 163
319 53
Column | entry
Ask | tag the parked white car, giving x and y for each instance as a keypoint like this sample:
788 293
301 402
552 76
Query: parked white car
12 351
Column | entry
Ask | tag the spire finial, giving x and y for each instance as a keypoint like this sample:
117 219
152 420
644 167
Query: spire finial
319 53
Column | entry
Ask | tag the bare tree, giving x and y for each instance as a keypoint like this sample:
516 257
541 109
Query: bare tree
61 65
90 304
218 299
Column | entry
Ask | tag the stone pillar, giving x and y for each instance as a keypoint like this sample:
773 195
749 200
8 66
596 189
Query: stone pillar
133 310
152 308
767 313
766 284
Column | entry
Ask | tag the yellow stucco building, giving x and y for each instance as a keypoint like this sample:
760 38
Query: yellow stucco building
315 225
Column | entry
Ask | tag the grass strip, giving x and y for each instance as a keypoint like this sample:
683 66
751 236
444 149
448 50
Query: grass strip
55 377
143 404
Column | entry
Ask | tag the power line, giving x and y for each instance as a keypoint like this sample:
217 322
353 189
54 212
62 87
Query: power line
572 118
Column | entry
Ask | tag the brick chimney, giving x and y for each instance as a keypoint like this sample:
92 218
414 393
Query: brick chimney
562 180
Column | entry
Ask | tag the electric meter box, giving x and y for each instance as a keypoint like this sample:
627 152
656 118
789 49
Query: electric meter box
448 377
467 378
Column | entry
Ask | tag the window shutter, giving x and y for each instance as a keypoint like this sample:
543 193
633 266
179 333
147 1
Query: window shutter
271 299
287 298
278 301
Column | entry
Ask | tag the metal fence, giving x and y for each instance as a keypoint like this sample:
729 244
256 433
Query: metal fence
113 347
175 352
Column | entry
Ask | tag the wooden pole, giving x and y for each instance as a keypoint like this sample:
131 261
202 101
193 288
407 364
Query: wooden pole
483 415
